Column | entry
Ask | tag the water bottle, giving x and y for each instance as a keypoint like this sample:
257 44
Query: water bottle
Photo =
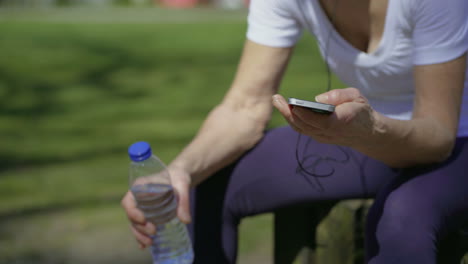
150 184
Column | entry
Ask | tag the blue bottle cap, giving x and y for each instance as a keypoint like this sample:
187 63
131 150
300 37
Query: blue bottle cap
139 151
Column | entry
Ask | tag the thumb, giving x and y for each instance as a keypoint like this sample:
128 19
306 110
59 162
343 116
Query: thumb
339 96
280 103
182 188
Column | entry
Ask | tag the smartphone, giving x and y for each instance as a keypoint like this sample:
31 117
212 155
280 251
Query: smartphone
314 106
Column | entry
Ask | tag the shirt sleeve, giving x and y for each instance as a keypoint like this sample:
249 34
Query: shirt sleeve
270 23
440 30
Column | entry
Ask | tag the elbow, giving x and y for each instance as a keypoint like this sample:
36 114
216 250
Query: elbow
437 152
444 150
440 151
443 145
438 145
252 121
252 135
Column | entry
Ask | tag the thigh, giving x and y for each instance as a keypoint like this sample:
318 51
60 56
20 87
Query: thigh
420 207
284 170
278 172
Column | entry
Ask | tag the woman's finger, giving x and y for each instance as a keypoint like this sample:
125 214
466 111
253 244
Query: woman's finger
147 229
294 121
133 213
339 96
182 187
315 122
287 111
280 103
142 239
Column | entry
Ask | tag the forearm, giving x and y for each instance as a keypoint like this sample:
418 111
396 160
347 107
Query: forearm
430 135
400 143
225 135
238 123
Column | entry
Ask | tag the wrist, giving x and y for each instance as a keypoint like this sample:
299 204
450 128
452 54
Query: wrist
379 125
377 136
180 173
371 131
179 165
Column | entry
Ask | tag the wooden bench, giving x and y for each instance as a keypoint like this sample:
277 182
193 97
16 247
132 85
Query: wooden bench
339 232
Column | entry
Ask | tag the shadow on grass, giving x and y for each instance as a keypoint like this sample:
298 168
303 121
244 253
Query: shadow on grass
92 67
58 206
76 232
8 162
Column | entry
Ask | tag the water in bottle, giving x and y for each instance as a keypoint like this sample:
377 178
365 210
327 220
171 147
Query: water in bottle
151 186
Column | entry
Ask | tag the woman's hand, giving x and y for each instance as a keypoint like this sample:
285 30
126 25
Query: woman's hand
141 229
351 124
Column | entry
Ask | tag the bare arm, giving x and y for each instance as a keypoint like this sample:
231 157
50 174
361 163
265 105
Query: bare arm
428 137
238 123
231 128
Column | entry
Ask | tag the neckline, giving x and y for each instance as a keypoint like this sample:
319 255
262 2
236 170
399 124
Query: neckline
335 35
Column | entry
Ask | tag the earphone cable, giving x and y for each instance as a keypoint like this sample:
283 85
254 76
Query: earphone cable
318 159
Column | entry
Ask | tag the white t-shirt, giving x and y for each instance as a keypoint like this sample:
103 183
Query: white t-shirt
416 32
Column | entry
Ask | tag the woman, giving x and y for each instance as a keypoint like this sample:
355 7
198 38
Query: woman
399 136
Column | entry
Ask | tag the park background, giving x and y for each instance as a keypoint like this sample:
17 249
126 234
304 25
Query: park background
78 84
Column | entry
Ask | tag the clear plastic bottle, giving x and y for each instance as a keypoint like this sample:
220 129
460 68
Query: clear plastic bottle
150 184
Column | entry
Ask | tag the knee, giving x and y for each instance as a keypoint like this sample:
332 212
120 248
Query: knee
236 207
404 219
399 214
404 232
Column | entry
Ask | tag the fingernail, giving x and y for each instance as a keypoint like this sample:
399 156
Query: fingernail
276 99
321 98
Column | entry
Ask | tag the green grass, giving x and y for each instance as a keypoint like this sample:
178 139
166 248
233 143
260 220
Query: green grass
77 88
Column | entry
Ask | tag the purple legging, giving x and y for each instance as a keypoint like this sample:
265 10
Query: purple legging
414 209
